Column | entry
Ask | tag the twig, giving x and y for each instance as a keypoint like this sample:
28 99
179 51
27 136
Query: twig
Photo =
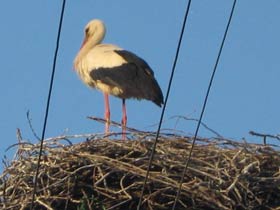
30 125
113 123
202 123
253 133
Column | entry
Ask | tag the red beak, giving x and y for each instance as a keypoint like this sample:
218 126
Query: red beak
84 42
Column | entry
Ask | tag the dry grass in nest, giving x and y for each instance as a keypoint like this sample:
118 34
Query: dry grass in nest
102 173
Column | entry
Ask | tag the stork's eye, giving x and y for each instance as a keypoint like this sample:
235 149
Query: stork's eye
86 31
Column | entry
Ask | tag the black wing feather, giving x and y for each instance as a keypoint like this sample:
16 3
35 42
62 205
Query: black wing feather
135 78
139 62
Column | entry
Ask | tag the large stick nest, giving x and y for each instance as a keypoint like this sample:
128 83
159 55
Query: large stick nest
102 173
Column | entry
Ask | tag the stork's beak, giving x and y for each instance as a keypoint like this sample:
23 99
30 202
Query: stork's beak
84 42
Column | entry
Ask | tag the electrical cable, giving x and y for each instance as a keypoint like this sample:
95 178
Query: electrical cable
47 105
203 108
164 105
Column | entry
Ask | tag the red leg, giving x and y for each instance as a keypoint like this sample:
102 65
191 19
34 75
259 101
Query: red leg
124 120
107 112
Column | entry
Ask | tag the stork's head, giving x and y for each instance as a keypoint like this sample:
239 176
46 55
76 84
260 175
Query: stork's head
94 33
95 30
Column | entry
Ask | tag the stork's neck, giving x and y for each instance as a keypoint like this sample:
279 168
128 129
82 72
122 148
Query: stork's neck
89 43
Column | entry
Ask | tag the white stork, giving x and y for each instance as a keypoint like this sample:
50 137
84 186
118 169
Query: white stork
114 71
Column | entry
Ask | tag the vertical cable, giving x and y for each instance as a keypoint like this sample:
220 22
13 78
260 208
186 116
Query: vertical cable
164 105
47 105
203 108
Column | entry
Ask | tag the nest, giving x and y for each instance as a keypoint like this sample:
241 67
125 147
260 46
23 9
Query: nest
103 173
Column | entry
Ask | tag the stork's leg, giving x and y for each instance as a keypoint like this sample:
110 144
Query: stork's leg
107 112
124 120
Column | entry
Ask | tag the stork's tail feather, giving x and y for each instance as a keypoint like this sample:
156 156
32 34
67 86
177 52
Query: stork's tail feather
157 95
158 102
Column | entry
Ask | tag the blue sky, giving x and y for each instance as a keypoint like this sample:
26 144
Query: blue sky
245 93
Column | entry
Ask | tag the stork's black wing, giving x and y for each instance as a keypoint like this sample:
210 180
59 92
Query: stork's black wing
135 78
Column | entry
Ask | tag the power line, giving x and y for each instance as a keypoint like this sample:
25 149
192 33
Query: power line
203 107
165 104
48 104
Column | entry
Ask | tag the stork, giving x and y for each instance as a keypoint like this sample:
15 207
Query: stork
114 71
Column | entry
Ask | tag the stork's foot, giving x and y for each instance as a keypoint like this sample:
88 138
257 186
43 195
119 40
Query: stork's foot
123 133
124 120
107 127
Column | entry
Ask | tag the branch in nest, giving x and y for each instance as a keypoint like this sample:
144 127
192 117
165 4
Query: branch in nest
253 133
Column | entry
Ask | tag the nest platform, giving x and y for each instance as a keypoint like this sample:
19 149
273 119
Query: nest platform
107 173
